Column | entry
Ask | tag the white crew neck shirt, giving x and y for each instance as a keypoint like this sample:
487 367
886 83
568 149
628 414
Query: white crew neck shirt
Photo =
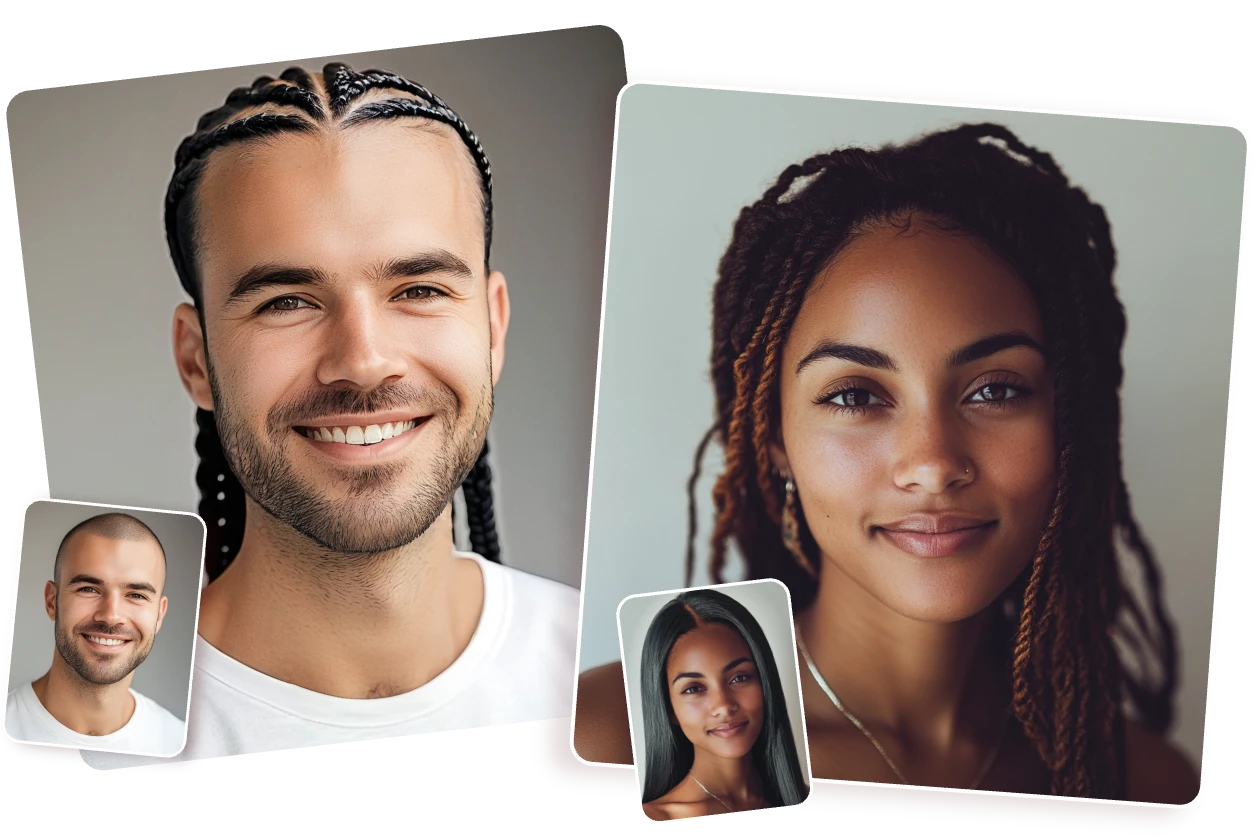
151 731
518 666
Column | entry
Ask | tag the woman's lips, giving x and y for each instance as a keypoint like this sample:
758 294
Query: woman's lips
936 536
729 730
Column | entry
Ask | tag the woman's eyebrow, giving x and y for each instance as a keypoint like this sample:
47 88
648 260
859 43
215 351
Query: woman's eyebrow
872 358
865 356
687 675
991 344
696 675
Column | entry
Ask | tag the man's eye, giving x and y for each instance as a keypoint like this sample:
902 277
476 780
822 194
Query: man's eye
288 303
419 293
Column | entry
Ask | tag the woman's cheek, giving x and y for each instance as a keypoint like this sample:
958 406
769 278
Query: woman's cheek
835 470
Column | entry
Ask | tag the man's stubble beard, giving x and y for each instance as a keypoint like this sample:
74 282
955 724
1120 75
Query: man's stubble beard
83 666
362 522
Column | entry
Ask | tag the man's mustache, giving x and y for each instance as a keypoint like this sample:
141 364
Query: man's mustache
97 628
325 401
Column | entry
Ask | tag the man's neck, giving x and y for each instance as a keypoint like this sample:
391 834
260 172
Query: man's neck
84 707
356 626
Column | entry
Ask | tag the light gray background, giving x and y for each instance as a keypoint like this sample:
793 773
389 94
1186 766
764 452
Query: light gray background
91 164
768 601
164 676
689 159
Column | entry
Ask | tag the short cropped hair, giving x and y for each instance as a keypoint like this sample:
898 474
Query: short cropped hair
114 526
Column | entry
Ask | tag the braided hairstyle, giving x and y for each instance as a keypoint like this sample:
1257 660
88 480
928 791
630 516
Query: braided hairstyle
299 103
1070 616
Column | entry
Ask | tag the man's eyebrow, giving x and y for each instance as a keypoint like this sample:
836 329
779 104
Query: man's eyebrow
869 357
429 262
262 276
85 579
140 586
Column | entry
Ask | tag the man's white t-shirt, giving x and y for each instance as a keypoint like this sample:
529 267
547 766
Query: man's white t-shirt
152 730
517 667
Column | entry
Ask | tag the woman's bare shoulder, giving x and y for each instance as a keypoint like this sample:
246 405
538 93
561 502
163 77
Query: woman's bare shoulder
601 722
667 809
1157 770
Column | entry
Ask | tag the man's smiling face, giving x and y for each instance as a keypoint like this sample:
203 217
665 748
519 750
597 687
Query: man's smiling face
107 604
353 334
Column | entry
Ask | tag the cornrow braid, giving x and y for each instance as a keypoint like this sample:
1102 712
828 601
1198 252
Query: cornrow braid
1072 606
299 103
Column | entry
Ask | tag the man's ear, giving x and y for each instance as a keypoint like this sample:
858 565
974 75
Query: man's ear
190 355
500 314
161 615
50 599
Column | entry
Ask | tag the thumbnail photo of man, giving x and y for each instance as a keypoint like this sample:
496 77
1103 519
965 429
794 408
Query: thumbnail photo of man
106 601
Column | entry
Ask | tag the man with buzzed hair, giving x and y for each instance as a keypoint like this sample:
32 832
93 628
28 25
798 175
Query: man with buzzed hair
106 603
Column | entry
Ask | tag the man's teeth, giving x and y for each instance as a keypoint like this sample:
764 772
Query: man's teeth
361 435
103 641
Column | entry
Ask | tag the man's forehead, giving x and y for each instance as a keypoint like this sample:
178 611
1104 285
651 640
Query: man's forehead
340 203
107 557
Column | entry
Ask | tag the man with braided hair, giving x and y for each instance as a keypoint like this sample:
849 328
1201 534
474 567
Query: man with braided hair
342 348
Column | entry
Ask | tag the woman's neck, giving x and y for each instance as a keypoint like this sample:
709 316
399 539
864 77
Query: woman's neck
930 682
734 780
356 625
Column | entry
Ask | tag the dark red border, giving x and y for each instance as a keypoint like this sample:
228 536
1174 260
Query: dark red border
61 753
558 762
938 97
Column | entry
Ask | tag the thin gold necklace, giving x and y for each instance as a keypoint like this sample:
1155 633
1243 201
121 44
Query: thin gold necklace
711 793
831 695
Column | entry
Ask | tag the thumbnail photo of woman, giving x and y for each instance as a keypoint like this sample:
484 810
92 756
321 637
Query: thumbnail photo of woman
716 730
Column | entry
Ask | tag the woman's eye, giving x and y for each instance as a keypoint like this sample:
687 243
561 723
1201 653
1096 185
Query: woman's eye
995 392
692 689
739 678
856 398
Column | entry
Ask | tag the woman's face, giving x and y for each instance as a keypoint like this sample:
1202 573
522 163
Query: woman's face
715 691
918 420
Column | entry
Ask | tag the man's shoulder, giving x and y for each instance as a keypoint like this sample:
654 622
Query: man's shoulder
541 590
530 595
18 712
157 710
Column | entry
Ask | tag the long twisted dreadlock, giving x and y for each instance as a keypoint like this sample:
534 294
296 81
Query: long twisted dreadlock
1075 613
299 103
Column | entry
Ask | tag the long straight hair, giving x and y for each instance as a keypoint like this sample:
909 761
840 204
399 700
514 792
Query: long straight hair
668 753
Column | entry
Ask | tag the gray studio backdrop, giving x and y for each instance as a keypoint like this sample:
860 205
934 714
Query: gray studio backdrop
91 164
164 676
687 160
768 601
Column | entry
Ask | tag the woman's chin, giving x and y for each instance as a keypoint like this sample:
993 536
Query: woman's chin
939 591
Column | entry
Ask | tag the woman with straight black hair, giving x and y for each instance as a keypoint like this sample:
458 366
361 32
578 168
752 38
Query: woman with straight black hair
715 720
